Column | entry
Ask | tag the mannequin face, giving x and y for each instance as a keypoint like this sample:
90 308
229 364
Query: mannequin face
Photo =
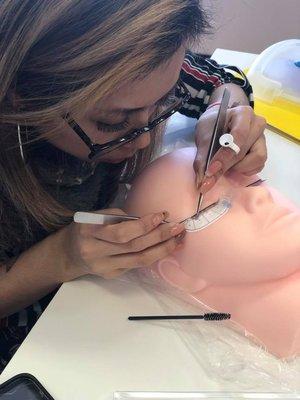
246 263
256 241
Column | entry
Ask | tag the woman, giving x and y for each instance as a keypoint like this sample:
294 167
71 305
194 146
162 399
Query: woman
76 75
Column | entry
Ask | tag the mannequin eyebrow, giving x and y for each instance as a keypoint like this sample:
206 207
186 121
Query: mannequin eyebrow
257 183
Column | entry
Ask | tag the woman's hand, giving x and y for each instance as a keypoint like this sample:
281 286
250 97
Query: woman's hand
248 132
110 250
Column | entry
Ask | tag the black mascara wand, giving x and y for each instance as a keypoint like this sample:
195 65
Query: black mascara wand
206 317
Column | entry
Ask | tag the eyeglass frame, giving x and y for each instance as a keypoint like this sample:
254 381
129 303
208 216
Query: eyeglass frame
96 149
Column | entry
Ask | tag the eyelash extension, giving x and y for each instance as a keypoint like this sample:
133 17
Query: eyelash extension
112 128
212 213
257 183
208 216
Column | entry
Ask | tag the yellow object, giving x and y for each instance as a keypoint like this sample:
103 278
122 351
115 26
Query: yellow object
275 78
282 114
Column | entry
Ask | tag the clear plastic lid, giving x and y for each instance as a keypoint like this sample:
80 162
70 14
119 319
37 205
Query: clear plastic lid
276 72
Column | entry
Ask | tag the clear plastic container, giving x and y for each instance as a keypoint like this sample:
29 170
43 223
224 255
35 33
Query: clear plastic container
275 77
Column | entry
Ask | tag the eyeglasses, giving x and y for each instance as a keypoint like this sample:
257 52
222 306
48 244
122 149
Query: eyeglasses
98 150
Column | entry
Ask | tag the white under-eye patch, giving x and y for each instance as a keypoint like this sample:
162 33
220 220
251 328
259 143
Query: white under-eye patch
208 216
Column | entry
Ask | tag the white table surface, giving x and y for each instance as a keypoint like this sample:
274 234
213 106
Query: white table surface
84 348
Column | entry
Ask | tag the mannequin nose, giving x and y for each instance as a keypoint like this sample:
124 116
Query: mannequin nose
256 198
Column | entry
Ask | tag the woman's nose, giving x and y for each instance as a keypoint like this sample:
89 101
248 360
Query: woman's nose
143 141
256 198
139 120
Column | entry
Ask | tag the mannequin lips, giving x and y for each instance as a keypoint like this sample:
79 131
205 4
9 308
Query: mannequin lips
277 215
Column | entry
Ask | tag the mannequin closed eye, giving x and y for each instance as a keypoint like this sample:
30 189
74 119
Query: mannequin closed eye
211 214
208 216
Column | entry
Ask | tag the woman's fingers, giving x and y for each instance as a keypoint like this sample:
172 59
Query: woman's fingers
157 236
108 250
161 234
148 256
239 126
198 166
257 157
124 232
247 130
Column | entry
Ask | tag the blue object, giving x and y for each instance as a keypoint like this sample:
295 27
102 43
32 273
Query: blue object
297 63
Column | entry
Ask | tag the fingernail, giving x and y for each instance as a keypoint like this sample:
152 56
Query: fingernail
213 169
176 229
157 219
179 238
198 181
207 184
165 214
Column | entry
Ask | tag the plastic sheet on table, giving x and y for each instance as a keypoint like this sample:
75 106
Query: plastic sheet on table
222 349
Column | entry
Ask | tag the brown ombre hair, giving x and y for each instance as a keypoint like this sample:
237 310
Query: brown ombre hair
57 55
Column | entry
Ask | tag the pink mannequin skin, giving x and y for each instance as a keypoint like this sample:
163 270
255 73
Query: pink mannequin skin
247 263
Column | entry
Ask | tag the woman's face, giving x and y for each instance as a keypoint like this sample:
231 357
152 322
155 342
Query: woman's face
128 109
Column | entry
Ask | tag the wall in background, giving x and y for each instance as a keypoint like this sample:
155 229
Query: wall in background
251 25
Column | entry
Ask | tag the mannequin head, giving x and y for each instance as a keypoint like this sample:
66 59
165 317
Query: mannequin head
257 240
255 244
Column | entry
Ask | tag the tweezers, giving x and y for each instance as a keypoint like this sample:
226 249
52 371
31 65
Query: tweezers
203 210
218 131
102 219
82 217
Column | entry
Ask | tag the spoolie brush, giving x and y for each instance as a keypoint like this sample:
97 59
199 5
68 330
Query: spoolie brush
206 317
216 316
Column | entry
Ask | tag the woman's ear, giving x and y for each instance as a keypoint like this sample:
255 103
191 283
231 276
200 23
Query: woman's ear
170 269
